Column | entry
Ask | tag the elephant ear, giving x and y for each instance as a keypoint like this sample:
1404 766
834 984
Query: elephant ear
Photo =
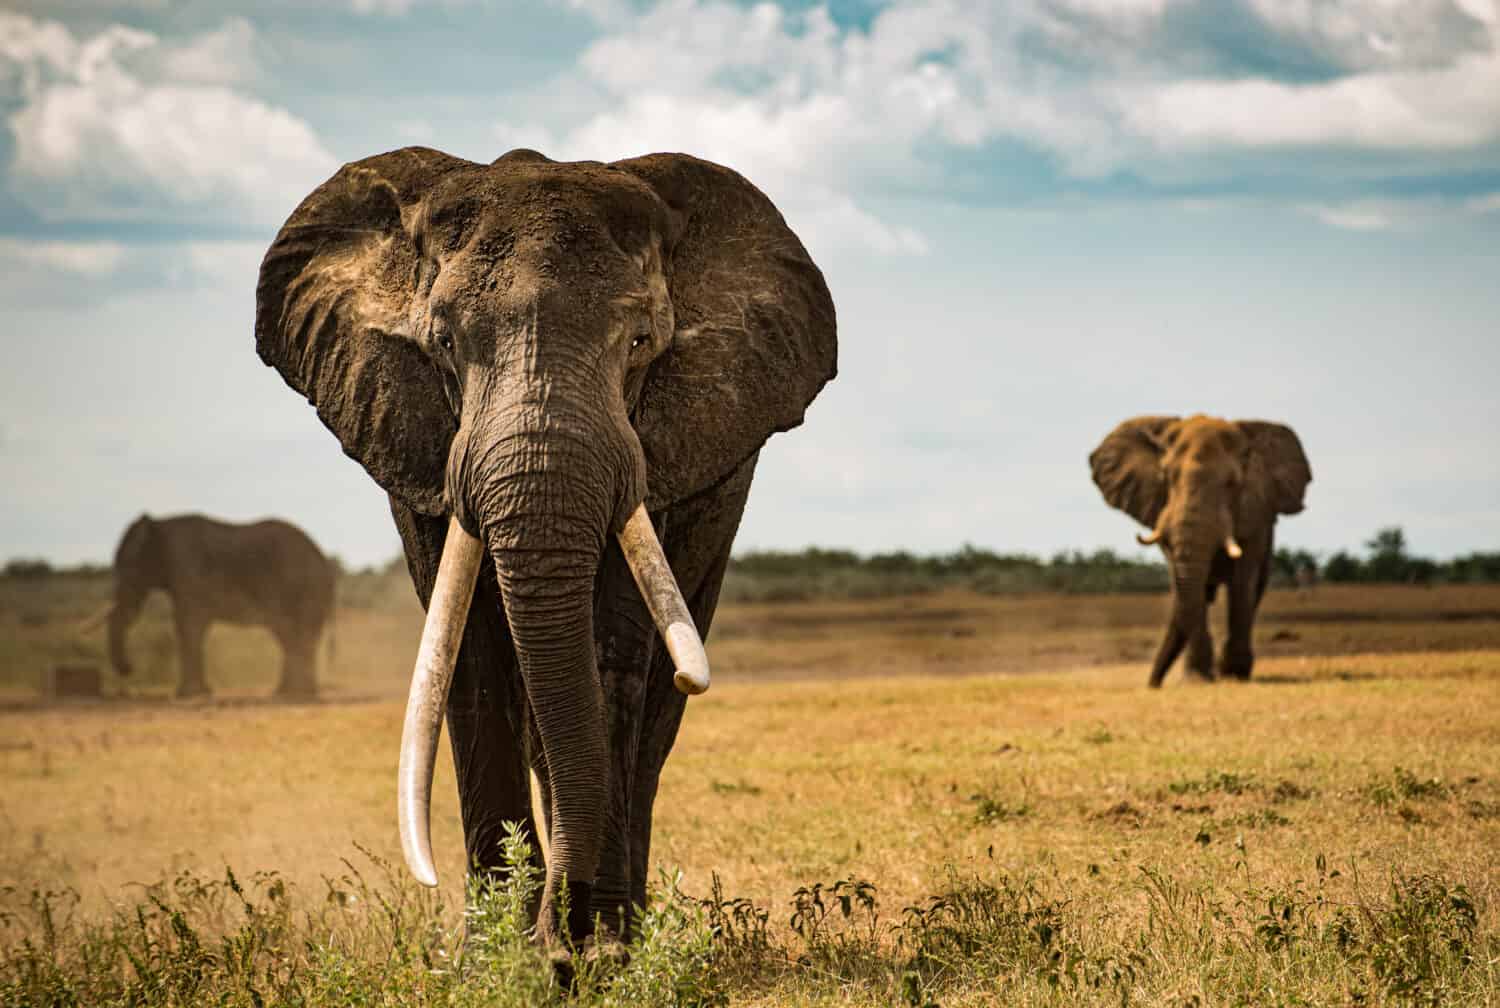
1127 467
332 315
755 332
1278 471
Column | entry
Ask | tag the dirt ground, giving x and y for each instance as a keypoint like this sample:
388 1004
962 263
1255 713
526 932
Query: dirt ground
840 739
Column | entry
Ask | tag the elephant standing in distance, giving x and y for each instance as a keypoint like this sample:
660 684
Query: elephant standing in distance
267 573
545 365
1210 490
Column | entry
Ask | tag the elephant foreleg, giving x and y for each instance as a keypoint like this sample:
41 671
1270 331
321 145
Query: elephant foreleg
299 656
1200 644
699 540
486 714
1245 592
1200 654
643 705
191 631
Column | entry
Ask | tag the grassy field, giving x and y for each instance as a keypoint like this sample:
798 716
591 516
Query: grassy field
948 800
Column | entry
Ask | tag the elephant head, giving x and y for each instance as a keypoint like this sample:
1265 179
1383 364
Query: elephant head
539 349
139 567
1208 489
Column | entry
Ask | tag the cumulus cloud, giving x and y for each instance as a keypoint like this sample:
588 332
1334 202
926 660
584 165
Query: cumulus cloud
1410 214
121 126
815 111
86 258
1452 107
74 272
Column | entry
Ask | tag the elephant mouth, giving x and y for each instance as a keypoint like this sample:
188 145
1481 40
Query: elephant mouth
1230 544
442 634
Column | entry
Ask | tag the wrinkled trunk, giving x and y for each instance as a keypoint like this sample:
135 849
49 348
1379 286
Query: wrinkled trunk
551 621
1190 555
544 500
1190 592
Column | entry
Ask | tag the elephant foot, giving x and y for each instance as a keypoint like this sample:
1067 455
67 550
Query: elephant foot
563 967
1237 669
596 959
587 950
1200 677
296 692
193 691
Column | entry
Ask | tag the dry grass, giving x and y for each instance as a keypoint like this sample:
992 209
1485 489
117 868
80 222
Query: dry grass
1373 750
952 633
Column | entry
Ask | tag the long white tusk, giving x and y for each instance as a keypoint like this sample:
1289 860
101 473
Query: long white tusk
447 611
1232 548
1148 539
653 576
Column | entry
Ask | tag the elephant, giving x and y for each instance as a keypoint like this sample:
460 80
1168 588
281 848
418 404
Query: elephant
266 573
562 375
1211 491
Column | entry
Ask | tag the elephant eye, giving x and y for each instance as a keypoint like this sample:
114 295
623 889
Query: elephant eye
446 342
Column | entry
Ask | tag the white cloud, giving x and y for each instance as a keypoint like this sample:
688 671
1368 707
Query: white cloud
53 272
223 56
76 258
1364 34
122 126
1452 108
1356 216
1402 214
816 113
387 7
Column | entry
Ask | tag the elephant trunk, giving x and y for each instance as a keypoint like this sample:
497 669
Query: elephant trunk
545 487
1189 594
543 505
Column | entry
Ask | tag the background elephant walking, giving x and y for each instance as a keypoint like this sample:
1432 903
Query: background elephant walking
266 573
1210 490
525 355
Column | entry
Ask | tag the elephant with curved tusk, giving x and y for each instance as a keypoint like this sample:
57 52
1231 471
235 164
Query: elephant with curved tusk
562 375
265 573
1210 491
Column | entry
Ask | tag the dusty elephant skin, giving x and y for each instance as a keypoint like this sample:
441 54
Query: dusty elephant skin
266 573
1210 490
537 348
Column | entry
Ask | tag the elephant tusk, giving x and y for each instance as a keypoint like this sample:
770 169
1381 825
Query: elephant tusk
95 619
1149 539
447 612
1232 548
653 576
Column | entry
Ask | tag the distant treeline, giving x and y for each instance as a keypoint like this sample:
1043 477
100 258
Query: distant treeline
819 573
777 576
1387 561
773 576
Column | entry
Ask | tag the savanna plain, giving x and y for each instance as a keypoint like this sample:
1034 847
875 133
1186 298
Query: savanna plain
945 799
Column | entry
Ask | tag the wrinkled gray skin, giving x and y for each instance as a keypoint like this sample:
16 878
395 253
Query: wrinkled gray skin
1198 480
266 573
536 347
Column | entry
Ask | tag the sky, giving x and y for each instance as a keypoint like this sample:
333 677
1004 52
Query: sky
1037 218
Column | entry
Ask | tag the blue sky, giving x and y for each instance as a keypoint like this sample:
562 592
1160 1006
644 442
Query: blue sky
1037 218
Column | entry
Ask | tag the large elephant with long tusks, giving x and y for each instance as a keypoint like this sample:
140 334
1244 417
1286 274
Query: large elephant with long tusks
1210 491
562 375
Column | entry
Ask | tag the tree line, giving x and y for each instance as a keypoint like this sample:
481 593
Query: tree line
770 575
1388 560
775 575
